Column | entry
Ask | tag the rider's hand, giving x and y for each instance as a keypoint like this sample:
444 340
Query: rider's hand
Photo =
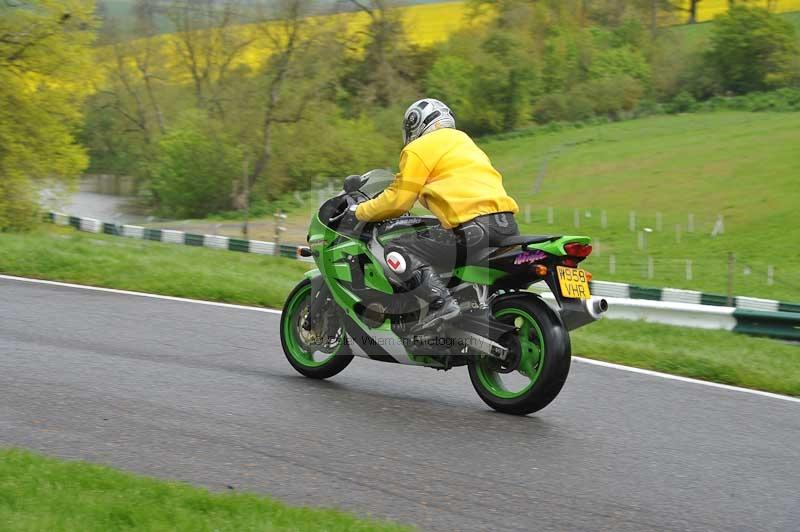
347 218
350 219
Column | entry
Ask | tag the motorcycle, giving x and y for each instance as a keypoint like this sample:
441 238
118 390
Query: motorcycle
515 345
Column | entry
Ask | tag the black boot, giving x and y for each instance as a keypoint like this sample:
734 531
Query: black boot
441 305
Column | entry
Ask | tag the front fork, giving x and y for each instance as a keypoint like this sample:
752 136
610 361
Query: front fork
320 294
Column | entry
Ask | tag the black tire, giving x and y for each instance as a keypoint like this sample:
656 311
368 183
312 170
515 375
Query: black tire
291 346
555 359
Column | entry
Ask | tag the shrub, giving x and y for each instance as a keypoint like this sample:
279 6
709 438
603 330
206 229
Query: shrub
614 98
619 62
752 49
193 173
557 107
682 103
550 107
18 204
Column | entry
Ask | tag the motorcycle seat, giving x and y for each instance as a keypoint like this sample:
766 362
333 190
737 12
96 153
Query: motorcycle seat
519 240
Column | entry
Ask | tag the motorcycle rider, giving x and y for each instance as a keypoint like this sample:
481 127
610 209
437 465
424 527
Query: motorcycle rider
443 169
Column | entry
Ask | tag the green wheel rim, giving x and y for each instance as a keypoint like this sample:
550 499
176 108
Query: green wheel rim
291 332
531 362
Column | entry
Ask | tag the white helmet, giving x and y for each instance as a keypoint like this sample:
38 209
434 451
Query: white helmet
424 116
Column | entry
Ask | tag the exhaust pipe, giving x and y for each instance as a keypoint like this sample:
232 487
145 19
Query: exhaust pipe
577 313
598 306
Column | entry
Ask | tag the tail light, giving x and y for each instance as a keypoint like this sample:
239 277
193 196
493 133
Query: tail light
578 250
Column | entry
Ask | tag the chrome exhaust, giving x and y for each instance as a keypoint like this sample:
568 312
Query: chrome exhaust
577 313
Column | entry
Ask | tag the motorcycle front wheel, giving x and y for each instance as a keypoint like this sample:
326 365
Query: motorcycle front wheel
538 361
319 353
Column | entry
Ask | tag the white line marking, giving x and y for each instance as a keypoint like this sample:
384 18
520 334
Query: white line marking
140 294
273 311
685 379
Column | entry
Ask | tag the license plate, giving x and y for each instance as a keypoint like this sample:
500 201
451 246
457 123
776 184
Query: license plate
573 282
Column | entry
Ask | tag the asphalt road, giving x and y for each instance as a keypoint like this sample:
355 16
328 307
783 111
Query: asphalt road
203 394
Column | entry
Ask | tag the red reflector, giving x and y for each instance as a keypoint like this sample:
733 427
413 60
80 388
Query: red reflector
578 250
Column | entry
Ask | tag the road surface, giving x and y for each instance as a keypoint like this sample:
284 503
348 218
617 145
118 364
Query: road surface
203 394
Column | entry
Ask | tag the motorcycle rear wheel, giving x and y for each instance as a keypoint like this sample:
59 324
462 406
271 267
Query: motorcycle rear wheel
541 354
309 358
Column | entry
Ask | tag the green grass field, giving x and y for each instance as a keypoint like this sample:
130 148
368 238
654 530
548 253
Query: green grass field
66 255
743 166
38 493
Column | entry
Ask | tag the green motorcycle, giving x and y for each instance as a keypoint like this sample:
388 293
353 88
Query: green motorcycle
515 345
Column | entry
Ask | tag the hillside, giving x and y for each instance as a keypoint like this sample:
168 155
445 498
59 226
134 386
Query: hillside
743 166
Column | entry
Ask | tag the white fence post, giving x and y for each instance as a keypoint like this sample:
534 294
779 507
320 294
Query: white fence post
550 216
603 219
612 264
650 267
632 220
770 275
690 223
688 269
719 226
576 218
528 213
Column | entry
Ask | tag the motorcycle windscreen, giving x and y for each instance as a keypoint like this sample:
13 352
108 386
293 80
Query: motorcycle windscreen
375 181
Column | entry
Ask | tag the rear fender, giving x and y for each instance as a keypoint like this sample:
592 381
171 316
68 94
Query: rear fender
556 247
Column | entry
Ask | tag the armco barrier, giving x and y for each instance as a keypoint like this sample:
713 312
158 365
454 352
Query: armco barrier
175 237
684 308
674 295
784 325
678 314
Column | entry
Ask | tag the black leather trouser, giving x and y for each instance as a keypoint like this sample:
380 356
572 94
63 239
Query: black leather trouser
439 249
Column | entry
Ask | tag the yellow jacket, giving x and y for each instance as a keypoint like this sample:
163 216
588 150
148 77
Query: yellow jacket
449 175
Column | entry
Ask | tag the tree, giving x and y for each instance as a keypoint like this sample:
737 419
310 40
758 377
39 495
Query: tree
209 41
389 67
693 4
126 115
752 49
300 69
194 170
44 68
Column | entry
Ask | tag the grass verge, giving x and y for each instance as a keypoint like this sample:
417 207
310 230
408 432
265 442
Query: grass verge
65 255
38 493
717 356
